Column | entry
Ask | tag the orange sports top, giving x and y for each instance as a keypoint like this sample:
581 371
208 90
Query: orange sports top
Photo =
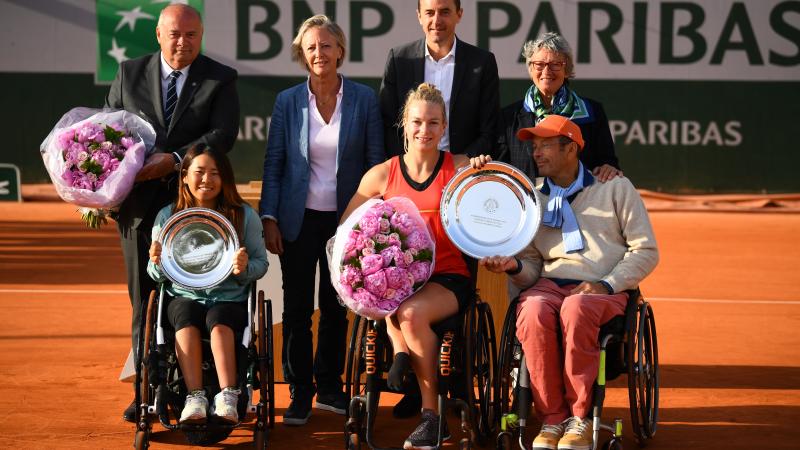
426 196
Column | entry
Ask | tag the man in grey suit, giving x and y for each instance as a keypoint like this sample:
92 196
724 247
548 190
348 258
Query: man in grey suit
466 75
189 99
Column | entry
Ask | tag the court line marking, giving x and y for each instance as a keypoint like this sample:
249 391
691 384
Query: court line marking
62 291
649 299
721 301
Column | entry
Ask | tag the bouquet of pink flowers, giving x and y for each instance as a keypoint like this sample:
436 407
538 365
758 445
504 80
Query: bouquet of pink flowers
381 255
93 157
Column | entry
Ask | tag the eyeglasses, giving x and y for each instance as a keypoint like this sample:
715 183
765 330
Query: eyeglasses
555 66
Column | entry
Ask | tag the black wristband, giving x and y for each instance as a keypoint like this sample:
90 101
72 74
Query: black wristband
516 270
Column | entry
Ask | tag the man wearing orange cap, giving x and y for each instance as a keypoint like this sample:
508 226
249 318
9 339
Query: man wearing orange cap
595 243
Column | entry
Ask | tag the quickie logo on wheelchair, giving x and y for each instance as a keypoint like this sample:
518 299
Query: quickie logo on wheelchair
370 351
445 361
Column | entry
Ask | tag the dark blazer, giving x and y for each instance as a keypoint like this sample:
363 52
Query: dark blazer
207 111
598 146
286 166
474 101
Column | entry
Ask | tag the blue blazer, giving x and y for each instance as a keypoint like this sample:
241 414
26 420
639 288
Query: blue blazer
286 166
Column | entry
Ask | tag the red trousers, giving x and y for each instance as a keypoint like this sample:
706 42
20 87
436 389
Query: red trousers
562 383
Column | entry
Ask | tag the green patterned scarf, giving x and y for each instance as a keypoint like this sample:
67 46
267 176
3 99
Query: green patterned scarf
565 103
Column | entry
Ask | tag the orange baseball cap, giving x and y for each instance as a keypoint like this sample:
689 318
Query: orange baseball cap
552 126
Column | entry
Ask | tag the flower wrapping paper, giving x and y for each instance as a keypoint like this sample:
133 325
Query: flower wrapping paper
380 256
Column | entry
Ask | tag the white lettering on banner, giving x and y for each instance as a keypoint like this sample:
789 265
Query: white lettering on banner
748 40
254 128
674 133
4 190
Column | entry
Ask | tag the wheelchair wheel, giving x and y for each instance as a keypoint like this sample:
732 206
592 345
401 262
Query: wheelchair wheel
480 367
507 362
143 391
266 380
643 375
355 429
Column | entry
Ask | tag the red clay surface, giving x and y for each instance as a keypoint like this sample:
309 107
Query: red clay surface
726 299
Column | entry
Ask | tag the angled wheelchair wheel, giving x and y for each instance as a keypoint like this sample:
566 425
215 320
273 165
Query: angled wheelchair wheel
144 392
643 375
266 380
480 370
508 361
355 425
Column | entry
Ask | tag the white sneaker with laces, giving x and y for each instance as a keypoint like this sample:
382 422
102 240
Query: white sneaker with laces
225 405
194 409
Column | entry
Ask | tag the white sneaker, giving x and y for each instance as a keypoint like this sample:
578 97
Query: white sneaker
225 405
194 409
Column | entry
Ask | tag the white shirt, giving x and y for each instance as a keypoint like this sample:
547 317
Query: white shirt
323 145
440 74
166 71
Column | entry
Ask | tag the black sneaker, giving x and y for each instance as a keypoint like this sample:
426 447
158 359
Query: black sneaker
129 415
299 409
408 406
334 402
425 436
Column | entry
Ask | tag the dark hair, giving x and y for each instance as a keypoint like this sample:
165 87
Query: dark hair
229 202
458 5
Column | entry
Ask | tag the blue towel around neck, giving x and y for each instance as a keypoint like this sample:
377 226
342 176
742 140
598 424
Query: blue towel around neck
559 213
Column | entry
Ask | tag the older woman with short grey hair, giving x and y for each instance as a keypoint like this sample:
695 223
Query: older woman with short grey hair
550 66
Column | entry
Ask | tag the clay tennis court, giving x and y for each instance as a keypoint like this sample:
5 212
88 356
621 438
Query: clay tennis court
726 296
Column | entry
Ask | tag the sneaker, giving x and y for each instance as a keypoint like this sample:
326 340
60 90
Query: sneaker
424 437
194 409
548 437
299 409
226 405
408 406
577 435
335 402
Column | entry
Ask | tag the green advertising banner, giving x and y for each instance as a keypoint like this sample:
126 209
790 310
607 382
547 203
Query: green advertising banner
126 29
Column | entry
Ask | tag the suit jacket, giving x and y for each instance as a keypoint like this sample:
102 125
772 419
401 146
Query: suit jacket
286 165
598 146
474 101
207 112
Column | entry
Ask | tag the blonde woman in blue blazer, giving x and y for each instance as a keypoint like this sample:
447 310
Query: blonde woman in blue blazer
324 135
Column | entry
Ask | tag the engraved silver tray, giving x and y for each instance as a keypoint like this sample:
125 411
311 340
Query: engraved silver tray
490 211
198 245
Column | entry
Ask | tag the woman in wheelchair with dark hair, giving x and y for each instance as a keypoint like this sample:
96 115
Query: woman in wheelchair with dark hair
207 181
420 175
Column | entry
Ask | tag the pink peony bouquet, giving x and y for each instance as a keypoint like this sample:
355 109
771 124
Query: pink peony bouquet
380 255
93 157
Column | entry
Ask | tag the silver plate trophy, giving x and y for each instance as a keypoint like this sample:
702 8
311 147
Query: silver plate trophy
490 211
198 245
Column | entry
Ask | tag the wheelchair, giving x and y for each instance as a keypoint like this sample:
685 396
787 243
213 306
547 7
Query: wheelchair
160 391
628 344
466 369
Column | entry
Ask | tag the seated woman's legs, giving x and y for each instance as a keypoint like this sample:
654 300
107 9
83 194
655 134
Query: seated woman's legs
411 330
186 316
225 319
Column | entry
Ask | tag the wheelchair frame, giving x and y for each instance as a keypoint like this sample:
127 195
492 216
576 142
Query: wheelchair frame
157 371
369 356
634 333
